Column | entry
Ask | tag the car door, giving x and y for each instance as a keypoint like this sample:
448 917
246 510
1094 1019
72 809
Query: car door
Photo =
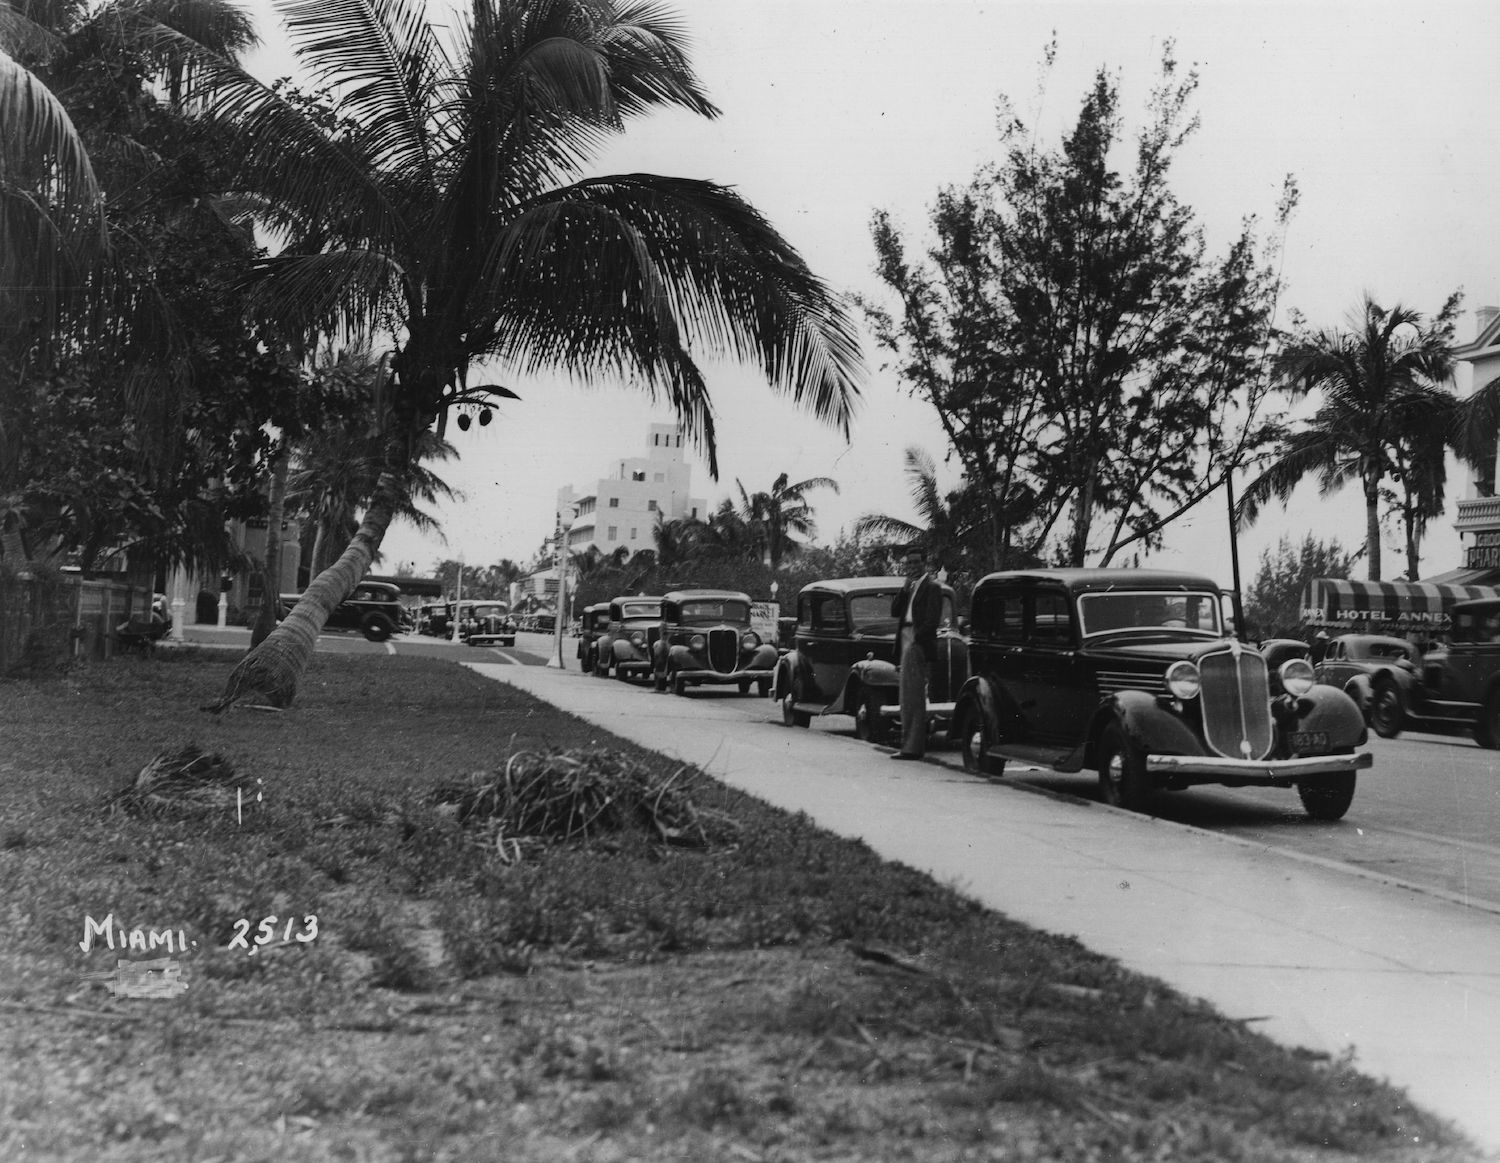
999 631
1059 696
825 648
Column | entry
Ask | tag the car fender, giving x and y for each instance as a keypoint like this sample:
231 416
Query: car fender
867 674
1152 727
781 678
764 658
625 650
978 696
1404 680
681 658
1360 688
1330 710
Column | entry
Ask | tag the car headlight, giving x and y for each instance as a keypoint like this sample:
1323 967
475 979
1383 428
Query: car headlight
750 641
1183 680
697 642
1296 676
638 638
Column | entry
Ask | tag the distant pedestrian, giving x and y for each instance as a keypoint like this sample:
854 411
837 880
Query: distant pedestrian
918 610
1319 646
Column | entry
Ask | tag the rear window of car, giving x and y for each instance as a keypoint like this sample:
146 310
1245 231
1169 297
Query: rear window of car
1143 611
705 613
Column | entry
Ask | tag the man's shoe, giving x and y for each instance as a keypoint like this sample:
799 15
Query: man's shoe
904 755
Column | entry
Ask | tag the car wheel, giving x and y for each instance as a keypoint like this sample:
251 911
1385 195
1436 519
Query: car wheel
744 687
377 628
976 739
869 723
622 674
790 715
659 679
763 687
1123 779
1328 797
1388 710
679 684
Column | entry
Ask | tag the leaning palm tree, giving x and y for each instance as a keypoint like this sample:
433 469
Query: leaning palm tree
1382 383
443 197
779 517
942 527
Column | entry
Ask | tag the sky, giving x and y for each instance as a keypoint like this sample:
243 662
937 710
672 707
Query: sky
832 109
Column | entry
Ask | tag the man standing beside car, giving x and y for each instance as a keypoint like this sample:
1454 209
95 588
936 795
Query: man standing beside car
918 610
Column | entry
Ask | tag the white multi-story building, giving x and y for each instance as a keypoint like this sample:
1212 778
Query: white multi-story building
620 510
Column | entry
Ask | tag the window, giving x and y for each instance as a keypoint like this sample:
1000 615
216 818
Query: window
651 505
1051 624
633 533
612 532
659 477
695 512
828 614
614 502
638 476
997 615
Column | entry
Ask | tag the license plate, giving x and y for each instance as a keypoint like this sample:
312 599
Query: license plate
1305 741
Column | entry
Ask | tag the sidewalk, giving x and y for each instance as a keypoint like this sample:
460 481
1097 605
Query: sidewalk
1314 956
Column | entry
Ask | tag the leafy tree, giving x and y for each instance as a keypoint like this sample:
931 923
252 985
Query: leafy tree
1094 370
443 200
1273 604
136 390
1385 412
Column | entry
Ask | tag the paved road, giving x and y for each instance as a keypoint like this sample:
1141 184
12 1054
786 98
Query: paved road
1427 815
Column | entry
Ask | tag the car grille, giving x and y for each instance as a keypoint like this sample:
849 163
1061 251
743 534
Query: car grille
723 650
1236 699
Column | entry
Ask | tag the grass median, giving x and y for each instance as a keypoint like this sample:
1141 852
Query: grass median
429 917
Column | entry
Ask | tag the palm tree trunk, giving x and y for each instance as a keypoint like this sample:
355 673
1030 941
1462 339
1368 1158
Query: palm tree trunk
1372 531
265 621
274 668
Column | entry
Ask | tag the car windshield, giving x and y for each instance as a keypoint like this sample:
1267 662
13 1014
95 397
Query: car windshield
1150 613
872 612
488 611
710 611
640 610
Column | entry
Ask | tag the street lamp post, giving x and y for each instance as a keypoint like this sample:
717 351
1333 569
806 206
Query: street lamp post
564 523
458 599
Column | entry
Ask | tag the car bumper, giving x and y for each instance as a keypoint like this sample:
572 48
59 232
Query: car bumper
491 640
934 710
1221 768
715 676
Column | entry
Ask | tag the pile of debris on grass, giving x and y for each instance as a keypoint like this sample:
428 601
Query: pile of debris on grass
189 779
538 798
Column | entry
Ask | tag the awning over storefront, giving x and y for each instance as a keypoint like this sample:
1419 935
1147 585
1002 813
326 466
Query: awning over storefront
1402 608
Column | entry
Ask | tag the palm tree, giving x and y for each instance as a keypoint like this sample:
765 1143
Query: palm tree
1385 412
775 517
442 197
944 524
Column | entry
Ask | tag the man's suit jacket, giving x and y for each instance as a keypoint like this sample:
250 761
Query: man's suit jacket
925 615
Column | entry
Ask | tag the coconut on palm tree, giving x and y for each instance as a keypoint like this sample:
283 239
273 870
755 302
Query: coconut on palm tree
443 199
1385 413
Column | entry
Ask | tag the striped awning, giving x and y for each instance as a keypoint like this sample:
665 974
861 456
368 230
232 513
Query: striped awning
1399 606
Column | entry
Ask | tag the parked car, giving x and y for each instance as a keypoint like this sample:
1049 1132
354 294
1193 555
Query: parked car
486 624
434 619
627 645
706 638
1352 662
843 658
374 609
1455 688
593 624
1130 673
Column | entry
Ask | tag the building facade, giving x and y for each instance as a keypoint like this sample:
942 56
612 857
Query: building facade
620 509
1478 520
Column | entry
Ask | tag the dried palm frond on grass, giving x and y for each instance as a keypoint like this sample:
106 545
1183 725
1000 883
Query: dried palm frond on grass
579 795
189 778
